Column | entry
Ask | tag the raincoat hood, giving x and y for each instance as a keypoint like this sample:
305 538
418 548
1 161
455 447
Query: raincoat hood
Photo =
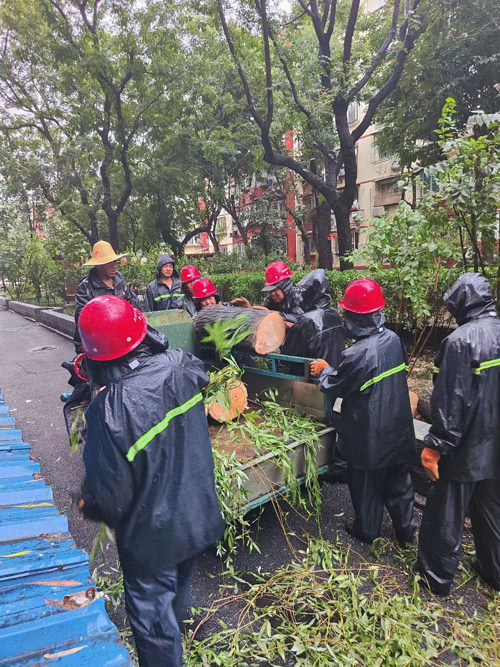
469 298
165 259
363 325
315 290
291 305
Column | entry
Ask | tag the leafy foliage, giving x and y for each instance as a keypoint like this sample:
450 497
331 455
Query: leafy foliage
273 430
326 608
456 56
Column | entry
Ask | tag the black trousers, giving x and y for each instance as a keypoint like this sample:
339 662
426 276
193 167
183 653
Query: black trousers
372 490
156 606
441 532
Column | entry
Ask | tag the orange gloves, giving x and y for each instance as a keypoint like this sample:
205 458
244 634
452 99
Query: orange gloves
430 459
317 366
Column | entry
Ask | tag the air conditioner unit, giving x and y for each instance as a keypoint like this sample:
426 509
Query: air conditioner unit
395 165
378 211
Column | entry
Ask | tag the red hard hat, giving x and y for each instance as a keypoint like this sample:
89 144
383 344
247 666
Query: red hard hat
275 272
363 296
189 272
202 288
110 327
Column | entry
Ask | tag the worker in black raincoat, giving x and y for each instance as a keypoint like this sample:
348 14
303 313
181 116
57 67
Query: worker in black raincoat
103 278
165 292
149 471
189 274
462 448
283 296
319 332
376 420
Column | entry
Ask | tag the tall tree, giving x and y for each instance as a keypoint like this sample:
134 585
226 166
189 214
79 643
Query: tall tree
75 81
364 64
458 57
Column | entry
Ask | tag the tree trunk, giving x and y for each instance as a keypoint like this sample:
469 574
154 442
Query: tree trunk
322 224
343 220
267 328
113 231
215 243
306 242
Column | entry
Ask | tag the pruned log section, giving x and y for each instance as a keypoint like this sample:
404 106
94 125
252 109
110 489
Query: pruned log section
228 405
267 328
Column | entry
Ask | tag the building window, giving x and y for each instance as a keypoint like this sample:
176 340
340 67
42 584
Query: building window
387 192
239 249
352 112
428 181
221 226
308 202
378 154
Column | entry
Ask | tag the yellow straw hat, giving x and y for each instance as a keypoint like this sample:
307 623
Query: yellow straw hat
102 253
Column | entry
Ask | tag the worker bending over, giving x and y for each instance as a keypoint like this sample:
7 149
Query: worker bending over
462 448
164 293
283 296
319 332
149 470
103 278
376 422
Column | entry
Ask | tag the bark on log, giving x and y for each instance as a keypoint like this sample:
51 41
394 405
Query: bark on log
268 327
219 409
413 403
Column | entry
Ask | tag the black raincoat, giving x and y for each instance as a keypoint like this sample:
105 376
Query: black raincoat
187 303
376 425
158 295
92 286
150 476
376 420
290 308
319 333
465 407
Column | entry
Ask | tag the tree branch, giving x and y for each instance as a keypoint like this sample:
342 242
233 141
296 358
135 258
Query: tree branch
407 35
349 31
250 103
379 56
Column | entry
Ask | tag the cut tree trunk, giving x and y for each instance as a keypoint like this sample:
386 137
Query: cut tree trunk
267 328
229 405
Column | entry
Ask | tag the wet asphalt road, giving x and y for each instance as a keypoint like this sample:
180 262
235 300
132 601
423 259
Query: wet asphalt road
32 380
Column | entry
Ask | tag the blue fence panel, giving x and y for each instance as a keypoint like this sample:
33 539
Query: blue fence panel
50 612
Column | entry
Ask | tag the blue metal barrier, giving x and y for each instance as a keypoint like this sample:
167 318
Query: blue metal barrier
50 612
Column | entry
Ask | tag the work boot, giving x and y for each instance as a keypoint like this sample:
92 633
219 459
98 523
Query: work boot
474 563
349 526
333 476
405 538
433 587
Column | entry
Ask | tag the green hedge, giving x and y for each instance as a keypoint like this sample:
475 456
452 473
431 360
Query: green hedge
231 285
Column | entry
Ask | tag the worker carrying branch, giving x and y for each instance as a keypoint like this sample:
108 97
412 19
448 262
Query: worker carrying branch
149 470
462 448
376 421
